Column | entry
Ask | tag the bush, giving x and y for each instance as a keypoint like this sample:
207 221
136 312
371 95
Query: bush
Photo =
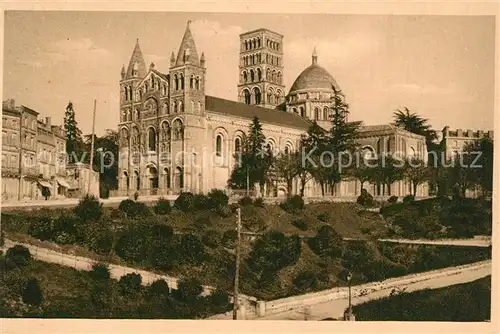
408 199
201 202
158 288
2 238
229 238
244 201
393 199
100 271
323 217
32 293
185 202
18 255
42 227
162 206
327 242
259 201
133 209
89 208
293 204
211 239
217 199
192 249
305 281
365 199
130 283
189 289
300 224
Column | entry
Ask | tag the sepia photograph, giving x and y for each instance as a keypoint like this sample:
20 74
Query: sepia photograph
247 166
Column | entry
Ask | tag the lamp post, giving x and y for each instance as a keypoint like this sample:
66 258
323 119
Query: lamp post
349 316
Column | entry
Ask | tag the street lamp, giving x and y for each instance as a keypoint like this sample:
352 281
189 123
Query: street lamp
349 316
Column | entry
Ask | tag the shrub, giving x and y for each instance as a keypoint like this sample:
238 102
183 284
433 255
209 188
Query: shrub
244 201
365 199
305 281
323 217
393 199
219 298
192 248
130 283
259 201
327 242
229 238
293 203
217 199
211 239
133 209
162 206
201 202
300 224
408 199
100 271
185 202
189 289
89 208
32 293
42 227
158 288
18 255
2 238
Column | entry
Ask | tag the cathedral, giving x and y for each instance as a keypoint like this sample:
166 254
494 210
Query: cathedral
173 137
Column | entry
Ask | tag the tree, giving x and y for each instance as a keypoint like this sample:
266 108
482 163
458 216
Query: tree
414 123
74 142
485 161
363 170
417 172
388 170
105 158
286 166
253 162
32 293
313 144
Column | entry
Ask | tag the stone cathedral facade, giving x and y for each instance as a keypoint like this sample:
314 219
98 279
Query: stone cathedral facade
174 137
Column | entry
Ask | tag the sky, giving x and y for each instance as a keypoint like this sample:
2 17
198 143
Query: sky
441 67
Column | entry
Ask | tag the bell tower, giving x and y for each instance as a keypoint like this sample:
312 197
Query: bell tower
261 69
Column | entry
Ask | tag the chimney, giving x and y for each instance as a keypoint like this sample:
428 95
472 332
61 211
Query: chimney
459 132
47 121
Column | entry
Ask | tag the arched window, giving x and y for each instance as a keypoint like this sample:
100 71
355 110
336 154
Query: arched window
166 174
137 180
389 142
164 89
197 83
247 96
252 76
268 74
199 106
273 76
126 93
279 97
295 110
130 93
270 96
152 139
158 87
178 130
257 95
279 78
254 43
237 145
325 113
176 80
179 178
152 82
258 42
246 45
287 150
380 146
191 82
259 75
245 77
181 106
140 93
175 107
182 81
317 114
302 112
218 145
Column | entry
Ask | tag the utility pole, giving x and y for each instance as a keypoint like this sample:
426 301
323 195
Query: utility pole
19 191
248 182
236 303
92 149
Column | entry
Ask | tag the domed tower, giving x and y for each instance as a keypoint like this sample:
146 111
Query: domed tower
261 69
312 93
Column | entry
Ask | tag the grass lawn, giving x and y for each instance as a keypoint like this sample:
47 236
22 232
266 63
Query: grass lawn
462 302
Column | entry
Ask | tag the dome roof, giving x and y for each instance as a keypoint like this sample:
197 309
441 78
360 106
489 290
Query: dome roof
314 77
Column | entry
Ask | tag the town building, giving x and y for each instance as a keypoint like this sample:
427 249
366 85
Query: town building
454 142
173 137
37 168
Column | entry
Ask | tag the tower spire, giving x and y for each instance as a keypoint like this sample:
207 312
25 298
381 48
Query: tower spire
136 66
187 50
314 57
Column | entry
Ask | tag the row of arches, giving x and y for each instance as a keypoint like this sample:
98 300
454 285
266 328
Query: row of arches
254 96
166 134
256 75
128 115
256 59
151 174
251 44
194 82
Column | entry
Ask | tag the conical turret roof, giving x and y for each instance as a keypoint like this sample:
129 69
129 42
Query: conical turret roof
187 51
136 62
